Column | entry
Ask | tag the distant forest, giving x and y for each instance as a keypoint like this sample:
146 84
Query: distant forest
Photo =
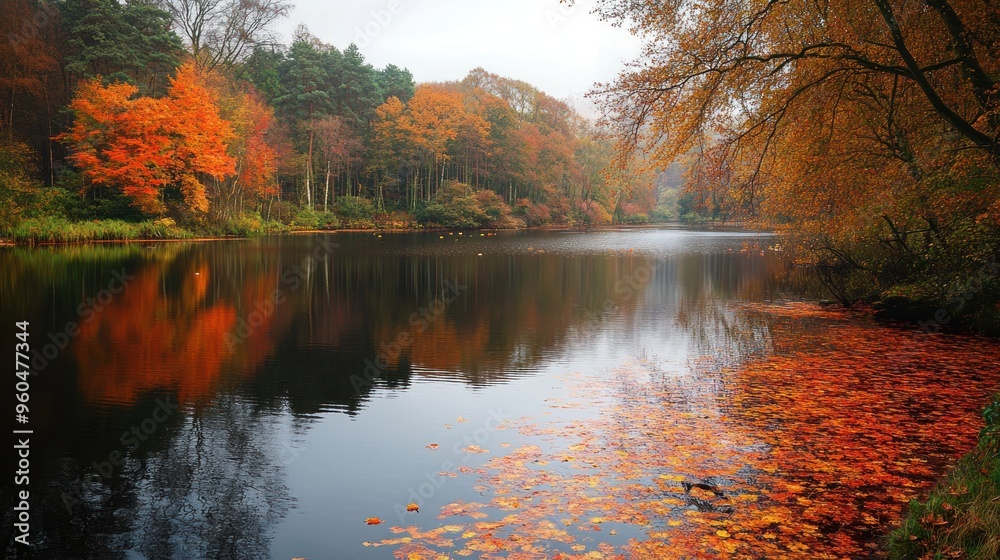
191 113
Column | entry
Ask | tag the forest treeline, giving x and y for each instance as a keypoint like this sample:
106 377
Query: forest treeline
191 113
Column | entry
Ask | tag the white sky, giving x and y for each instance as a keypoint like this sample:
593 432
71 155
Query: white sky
562 51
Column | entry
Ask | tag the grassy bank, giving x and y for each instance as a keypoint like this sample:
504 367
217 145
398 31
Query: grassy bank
961 516
58 230
35 231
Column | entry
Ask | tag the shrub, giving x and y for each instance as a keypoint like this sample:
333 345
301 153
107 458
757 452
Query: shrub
395 220
306 218
533 214
693 218
457 205
660 215
593 213
243 225
281 211
499 215
635 219
355 211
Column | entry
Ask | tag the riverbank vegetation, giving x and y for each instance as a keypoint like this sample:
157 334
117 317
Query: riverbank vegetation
961 516
212 125
869 134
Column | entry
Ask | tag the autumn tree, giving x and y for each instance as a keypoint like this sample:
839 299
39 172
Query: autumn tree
145 146
254 129
26 57
871 129
389 146
541 157
31 90
431 121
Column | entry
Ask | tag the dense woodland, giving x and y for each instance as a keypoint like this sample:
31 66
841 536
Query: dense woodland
867 130
192 113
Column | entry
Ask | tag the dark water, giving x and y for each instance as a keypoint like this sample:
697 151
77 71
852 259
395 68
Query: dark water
262 398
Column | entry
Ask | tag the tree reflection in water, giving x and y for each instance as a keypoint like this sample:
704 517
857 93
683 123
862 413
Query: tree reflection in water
211 482
218 490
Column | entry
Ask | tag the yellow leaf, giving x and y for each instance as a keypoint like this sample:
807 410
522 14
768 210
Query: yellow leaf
672 477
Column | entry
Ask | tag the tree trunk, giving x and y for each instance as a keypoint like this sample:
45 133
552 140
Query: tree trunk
309 165
326 191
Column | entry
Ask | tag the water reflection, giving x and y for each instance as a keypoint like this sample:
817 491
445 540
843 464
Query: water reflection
257 340
218 489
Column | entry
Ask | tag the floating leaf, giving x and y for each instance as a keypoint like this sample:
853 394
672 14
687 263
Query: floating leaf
475 449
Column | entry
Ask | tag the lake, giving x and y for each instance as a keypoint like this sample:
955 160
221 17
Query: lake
646 393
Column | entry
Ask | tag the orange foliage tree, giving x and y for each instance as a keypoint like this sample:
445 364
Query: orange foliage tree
27 56
250 146
145 145
872 125
535 152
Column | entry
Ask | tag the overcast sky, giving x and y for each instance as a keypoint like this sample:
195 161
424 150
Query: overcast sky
561 50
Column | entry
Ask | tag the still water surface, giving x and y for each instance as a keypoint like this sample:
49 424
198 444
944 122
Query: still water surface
262 398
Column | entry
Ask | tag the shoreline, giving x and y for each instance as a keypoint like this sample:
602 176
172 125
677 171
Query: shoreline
583 229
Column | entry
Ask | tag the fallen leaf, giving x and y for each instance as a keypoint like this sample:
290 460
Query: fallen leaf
475 449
